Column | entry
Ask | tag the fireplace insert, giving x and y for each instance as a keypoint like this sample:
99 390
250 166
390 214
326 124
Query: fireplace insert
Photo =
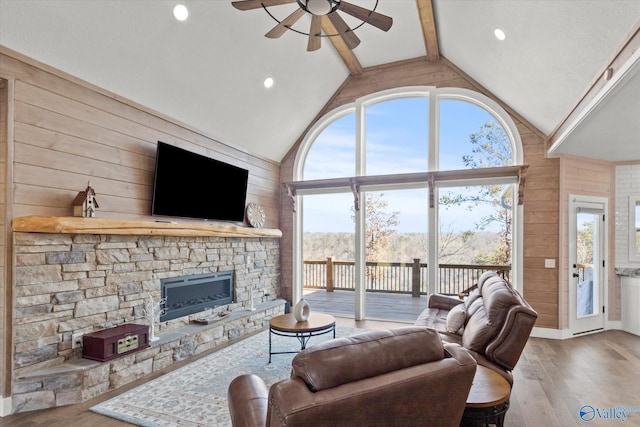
190 294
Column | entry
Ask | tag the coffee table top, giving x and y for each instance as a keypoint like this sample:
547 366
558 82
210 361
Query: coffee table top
315 322
489 388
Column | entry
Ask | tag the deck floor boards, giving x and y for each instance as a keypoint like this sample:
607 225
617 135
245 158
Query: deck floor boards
380 306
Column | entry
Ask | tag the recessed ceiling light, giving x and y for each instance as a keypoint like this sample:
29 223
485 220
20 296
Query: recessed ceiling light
268 82
180 12
500 35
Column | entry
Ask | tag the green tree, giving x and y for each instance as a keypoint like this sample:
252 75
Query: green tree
490 147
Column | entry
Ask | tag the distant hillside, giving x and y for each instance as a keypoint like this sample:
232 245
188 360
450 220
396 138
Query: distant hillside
404 247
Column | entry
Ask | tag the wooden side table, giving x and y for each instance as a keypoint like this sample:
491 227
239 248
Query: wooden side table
286 325
488 399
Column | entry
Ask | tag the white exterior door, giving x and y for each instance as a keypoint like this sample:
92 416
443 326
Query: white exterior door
587 261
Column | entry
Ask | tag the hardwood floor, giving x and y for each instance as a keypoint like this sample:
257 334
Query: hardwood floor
553 380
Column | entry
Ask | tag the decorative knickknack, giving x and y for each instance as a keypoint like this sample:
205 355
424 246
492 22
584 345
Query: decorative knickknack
85 203
152 311
301 310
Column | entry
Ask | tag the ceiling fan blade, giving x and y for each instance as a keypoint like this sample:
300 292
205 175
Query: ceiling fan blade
255 4
314 34
376 19
351 40
281 28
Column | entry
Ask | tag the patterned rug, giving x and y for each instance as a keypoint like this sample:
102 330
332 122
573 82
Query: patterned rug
196 395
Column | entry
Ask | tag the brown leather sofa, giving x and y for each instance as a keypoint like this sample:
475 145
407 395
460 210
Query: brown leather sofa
494 322
404 376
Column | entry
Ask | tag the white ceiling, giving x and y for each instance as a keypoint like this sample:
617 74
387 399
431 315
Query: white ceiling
208 71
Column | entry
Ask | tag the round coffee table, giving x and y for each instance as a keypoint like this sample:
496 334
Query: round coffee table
488 398
286 325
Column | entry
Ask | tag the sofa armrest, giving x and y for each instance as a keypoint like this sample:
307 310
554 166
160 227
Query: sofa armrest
461 354
247 396
443 302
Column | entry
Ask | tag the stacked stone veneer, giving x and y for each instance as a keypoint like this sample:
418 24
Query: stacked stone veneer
69 284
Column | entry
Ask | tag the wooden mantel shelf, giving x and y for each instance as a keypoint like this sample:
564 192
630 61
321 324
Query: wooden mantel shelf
77 225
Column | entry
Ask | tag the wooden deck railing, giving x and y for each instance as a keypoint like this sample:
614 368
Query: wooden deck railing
396 277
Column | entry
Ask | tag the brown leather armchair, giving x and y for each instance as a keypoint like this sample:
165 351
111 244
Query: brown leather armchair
404 376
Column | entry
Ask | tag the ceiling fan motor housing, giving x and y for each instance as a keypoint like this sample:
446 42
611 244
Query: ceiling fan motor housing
319 7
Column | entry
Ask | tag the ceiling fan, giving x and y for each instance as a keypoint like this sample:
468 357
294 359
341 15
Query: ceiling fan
320 11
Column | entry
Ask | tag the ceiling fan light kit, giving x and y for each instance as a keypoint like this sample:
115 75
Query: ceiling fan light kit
319 9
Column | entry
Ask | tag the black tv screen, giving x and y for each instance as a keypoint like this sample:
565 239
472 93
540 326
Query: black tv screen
190 185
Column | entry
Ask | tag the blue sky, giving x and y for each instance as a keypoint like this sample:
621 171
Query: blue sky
396 142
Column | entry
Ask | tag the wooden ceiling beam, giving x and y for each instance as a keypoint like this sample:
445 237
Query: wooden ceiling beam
428 23
347 55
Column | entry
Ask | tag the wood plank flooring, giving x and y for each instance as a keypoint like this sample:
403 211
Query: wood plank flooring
553 380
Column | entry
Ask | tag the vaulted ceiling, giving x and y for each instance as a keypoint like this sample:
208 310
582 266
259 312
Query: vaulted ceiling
208 71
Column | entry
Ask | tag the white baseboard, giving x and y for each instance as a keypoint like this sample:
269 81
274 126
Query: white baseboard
616 324
563 334
5 406
554 334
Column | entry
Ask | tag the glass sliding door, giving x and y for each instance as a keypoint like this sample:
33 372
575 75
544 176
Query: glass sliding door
474 235
329 253
396 242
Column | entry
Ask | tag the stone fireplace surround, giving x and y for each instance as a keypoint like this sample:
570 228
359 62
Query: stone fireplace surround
95 274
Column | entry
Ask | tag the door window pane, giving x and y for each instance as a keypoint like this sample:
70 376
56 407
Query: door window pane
396 243
474 234
329 252
586 256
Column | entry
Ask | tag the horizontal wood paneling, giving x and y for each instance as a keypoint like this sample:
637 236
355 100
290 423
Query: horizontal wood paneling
5 255
541 194
173 131
587 177
68 132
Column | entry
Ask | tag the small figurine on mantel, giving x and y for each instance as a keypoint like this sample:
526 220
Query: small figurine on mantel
85 203
152 311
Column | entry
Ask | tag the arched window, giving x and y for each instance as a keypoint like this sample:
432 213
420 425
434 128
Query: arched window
401 177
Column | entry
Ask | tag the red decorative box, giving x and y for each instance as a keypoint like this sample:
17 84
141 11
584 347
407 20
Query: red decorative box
115 342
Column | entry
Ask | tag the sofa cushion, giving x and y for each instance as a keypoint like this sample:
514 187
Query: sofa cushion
474 306
456 318
485 276
473 296
487 321
344 360
433 318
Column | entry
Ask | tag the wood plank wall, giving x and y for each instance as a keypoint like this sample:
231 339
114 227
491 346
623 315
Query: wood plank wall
587 177
541 189
67 132
4 256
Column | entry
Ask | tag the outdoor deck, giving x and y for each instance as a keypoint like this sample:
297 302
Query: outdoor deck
379 306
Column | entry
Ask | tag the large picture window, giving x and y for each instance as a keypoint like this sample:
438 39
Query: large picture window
410 231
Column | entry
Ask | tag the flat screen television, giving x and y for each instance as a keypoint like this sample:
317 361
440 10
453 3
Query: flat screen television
190 185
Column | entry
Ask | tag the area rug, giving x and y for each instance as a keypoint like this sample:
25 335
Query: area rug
196 394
